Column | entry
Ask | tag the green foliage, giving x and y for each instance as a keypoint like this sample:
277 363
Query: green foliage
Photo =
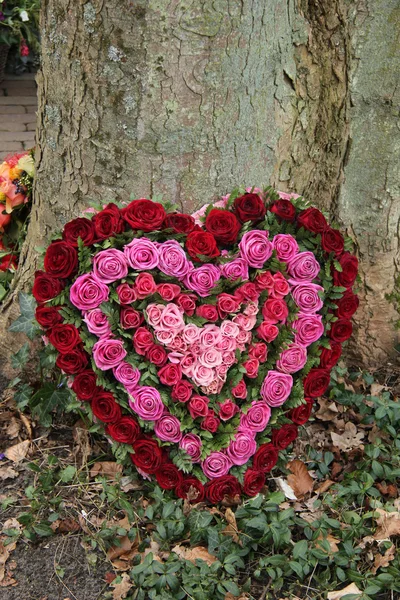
26 321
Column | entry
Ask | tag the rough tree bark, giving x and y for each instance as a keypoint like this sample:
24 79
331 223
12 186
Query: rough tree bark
189 99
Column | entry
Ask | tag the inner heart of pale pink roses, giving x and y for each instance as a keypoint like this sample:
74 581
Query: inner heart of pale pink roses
205 353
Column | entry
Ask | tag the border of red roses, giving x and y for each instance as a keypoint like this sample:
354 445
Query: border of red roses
344 271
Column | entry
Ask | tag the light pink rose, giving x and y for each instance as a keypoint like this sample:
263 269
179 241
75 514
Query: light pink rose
256 418
97 322
251 309
146 403
276 388
141 254
108 353
178 344
173 260
168 428
245 322
172 318
216 464
226 344
110 265
303 267
228 358
292 359
88 292
309 328
191 333
154 312
306 296
222 370
210 336
285 246
229 328
255 248
202 375
165 336
210 358
242 448
192 444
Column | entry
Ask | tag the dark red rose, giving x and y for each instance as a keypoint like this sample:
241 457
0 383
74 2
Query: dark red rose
145 215
207 311
330 356
341 330
210 422
157 355
182 391
64 337
259 351
247 291
168 291
240 390
217 489
46 287
85 385
281 438
142 340
227 410
8 262
265 458
147 455
347 276
316 383
61 259
126 430
249 207
227 304
48 316
108 222
198 406
169 476
201 244
72 362
190 488
105 408
347 305
251 365
283 209
301 414
187 302
223 225
79 228
170 374
130 318
253 482
332 241
179 222
312 219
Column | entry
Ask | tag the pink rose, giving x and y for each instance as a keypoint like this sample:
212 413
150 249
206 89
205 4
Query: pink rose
275 310
251 365
142 340
251 310
187 363
240 391
88 292
281 286
153 313
203 279
127 374
255 248
235 269
227 410
229 329
172 319
110 265
242 448
168 291
309 328
191 333
207 311
141 254
267 331
306 296
126 293
292 359
303 267
228 358
178 344
198 406
276 388
192 445
215 465
210 358
168 428
173 259
259 351
285 246
145 285
97 322
226 344
245 322
165 337
256 418
170 374
108 353
146 403
210 335
202 375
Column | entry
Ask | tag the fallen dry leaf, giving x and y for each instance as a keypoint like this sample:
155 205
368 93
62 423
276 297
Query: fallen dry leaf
387 490
350 589
230 596
121 589
107 468
192 554
383 560
13 428
118 551
231 529
388 524
5 575
333 542
82 447
349 439
327 410
300 480
65 526
27 424
285 488
18 452
376 389
11 524
8 473
325 485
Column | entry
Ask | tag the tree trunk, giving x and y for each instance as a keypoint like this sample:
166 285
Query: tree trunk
190 99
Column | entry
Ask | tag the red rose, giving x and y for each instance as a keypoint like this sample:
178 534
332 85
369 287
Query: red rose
48 316
265 458
341 330
347 276
157 355
130 318
283 209
316 383
251 365
347 305
249 207
108 222
253 482
72 362
207 311
240 391
275 310
267 331
168 291
126 430
144 214
61 259
190 488
182 391
142 340
312 219
145 285
223 225
64 337
170 374
79 228
210 422
301 414
85 385
179 222
332 241
187 302
247 291
227 304
105 408
198 406
201 243
126 293
169 476
217 489
147 455
8 262
281 438
259 351
264 281
227 410
330 356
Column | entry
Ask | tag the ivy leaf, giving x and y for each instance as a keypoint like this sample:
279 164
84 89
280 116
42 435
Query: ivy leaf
20 358
45 400
26 321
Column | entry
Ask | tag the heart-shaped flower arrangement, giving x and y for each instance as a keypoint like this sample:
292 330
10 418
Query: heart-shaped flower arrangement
200 341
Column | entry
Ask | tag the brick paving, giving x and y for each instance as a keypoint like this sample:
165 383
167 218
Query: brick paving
18 105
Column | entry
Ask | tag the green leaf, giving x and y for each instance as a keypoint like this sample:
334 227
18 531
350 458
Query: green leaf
45 400
26 321
23 395
43 530
68 473
20 358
